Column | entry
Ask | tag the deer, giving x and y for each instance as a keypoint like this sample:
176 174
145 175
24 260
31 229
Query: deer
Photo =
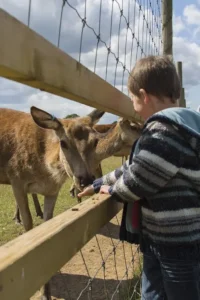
39 152
117 141
102 128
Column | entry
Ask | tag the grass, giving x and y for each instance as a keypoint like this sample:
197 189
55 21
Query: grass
9 229
132 288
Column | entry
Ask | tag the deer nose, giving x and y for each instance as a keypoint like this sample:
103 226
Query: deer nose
84 181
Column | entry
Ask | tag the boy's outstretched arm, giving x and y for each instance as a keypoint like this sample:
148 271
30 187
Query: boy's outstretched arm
157 161
110 178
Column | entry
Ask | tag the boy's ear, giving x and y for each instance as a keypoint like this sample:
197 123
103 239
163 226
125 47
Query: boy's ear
144 96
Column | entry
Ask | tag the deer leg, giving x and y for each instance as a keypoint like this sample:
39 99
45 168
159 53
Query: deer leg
22 202
72 190
76 194
16 217
49 204
38 210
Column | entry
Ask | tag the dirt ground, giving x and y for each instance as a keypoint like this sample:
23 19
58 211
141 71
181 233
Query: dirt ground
72 281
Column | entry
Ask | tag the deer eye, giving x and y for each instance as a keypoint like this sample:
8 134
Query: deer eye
63 144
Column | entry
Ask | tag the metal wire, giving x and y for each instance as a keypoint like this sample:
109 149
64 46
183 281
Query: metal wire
134 30
115 293
138 20
119 288
91 279
60 23
29 13
143 41
83 26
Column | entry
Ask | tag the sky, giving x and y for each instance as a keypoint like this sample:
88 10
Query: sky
45 17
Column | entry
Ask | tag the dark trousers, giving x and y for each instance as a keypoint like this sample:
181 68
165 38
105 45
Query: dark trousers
170 279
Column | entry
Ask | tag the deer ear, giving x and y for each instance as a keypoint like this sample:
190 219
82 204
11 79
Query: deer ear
95 116
133 124
44 119
137 125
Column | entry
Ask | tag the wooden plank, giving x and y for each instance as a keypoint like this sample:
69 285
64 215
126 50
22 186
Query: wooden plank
179 70
28 58
28 261
167 27
182 102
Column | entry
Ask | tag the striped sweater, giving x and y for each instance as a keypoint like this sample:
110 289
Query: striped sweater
163 176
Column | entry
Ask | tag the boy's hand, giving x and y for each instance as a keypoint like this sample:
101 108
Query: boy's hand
88 191
105 189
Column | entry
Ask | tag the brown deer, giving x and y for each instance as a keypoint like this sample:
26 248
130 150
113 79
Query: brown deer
117 141
39 152
101 128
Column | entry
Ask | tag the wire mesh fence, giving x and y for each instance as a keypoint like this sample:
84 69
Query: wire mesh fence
119 34
108 37
105 268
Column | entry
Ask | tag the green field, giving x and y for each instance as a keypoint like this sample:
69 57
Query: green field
9 229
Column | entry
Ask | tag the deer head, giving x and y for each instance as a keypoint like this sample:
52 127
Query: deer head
77 142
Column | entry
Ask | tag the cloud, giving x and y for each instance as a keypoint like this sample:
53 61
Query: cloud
192 14
61 108
189 54
187 49
45 19
178 25
56 105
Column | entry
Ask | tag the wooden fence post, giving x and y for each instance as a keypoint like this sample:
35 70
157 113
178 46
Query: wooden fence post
167 28
180 74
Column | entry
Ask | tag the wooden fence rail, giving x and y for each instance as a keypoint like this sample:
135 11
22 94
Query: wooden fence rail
28 58
30 260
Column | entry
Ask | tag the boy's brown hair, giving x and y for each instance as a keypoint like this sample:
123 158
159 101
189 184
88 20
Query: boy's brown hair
157 76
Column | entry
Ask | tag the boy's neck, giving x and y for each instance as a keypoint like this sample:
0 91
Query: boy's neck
163 105
158 105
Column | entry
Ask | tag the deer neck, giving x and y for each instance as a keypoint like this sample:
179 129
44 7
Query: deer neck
110 143
55 159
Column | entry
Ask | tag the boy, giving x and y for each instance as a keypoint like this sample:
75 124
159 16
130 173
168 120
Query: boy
160 185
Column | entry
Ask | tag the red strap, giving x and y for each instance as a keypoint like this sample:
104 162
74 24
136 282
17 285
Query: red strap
135 214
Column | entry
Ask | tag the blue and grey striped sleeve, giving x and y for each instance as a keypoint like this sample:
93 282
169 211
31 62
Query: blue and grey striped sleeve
157 161
110 178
